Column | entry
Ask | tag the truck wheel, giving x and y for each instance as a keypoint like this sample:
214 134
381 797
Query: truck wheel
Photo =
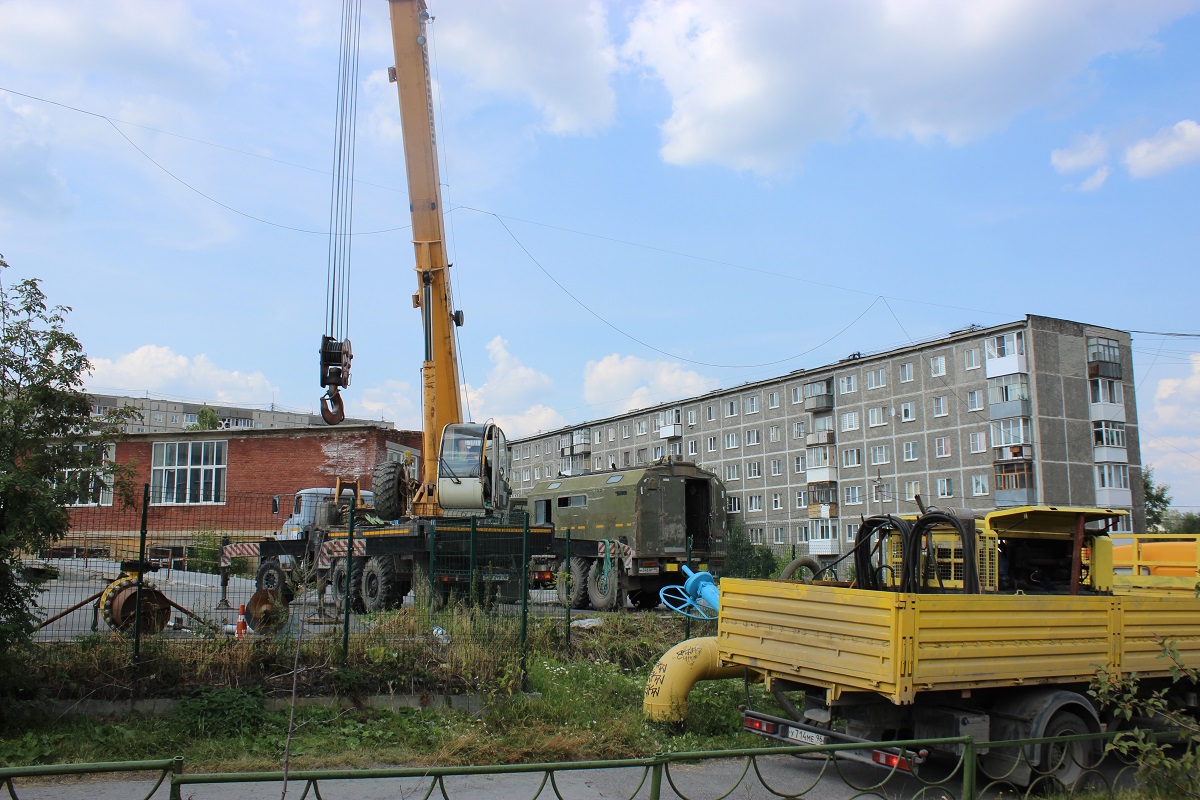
644 599
379 584
1063 763
604 590
804 569
572 583
390 486
337 580
272 578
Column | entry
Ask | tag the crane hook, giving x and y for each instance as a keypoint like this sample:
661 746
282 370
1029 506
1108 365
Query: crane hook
332 409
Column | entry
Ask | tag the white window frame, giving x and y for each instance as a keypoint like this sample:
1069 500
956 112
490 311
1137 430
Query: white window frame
971 359
752 404
852 495
975 400
937 366
773 399
851 457
906 372
850 421
942 447
880 454
731 407
753 436
848 384
733 440
911 490
945 487
912 450
907 412
753 469
876 417
940 406
207 460
979 485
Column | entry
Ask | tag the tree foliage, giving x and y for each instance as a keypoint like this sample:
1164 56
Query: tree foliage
51 447
1181 522
1158 498
743 558
206 420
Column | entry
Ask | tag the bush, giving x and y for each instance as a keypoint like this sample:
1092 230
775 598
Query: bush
743 558
220 711
1165 768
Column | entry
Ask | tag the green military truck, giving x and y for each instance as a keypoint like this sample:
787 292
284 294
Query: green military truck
629 530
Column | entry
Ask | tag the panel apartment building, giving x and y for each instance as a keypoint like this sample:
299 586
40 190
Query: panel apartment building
1039 411
167 416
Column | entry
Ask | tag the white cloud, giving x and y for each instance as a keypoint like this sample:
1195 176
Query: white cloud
1085 152
395 400
513 395
1171 148
556 56
158 43
1171 434
752 89
161 370
621 383
1095 180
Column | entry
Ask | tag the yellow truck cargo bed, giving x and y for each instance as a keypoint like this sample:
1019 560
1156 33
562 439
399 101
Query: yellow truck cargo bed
899 645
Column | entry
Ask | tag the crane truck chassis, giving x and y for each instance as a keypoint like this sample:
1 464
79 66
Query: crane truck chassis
918 656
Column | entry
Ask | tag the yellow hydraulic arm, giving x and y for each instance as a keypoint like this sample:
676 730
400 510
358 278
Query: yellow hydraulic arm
441 403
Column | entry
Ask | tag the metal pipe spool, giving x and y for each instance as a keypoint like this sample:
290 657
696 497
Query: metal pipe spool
267 611
118 605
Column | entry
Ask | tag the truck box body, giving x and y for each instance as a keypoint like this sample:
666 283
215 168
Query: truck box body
900 645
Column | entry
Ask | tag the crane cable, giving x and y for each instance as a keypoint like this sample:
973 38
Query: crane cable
335 343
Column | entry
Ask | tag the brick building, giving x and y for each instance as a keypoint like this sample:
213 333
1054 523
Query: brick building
224 480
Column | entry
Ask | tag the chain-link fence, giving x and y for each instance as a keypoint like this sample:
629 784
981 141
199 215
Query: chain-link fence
448 605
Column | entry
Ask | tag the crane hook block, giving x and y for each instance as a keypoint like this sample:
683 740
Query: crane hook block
335 376
335 362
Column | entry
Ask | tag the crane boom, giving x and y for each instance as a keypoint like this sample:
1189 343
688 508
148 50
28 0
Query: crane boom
463 466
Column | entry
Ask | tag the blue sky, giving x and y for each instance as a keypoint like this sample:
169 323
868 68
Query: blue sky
650 199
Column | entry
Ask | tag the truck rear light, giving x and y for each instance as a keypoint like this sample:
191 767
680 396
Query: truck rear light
891 760
760 725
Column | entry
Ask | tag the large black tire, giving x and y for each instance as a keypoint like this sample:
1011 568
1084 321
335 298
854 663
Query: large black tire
604 591
1064 763
337 582
390 486
572 583
379 585
796 569
644 599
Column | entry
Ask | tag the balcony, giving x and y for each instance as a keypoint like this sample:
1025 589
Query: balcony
1104 369
671 431
1010 408
822 547
1013 452
817 438
1114 412
826 474
819 402
822 511
575 450
1114 498
1006 365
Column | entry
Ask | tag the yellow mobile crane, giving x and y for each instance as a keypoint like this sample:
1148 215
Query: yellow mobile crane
464 465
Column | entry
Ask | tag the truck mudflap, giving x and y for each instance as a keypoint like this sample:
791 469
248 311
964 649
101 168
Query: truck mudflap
789 731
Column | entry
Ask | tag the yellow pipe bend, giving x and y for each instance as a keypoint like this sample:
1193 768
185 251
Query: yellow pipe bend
677 672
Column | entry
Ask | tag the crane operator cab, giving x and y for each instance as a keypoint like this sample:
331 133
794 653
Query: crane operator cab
473 468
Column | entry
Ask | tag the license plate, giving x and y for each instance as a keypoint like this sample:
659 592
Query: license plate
805 737
647 570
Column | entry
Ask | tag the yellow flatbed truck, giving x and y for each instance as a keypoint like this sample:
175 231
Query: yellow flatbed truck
934 649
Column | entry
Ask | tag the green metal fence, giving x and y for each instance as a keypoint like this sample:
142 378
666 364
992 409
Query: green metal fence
827 772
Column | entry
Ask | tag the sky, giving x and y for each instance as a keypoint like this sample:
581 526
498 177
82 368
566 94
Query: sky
646 199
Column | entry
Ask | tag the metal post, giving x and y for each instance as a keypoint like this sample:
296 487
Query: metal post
570 591
176 770
224 601
970 764
349 582
433 583
474 583
524 598
687 620
137 610
656 772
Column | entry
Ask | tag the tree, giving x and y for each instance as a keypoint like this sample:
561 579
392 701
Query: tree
51 447
206 420
1158 498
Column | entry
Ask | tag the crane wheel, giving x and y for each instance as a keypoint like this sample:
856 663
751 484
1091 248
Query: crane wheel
571 583
391 486
604 590
379 584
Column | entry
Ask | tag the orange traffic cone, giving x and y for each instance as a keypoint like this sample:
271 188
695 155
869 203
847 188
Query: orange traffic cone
240 630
